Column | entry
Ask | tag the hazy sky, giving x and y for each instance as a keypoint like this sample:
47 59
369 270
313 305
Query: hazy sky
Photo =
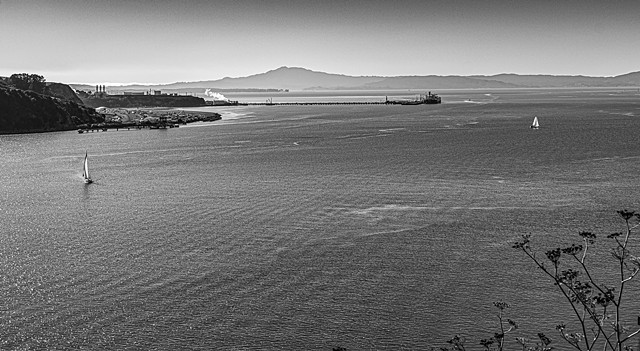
167 41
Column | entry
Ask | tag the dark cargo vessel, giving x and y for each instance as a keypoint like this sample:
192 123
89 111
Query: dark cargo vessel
423 99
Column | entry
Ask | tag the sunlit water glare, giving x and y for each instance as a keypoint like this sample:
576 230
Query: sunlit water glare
309 227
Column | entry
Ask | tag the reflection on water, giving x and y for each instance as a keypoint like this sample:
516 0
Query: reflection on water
312 227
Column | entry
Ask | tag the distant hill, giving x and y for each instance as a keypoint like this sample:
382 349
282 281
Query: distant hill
549 81
437 82
296 78
24 111
629 79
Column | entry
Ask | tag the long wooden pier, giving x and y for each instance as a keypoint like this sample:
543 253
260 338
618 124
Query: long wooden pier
408 102
427 99
312 103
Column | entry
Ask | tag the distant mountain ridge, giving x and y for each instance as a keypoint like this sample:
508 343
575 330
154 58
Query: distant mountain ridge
297 78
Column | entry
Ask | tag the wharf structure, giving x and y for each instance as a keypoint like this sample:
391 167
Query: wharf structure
427 99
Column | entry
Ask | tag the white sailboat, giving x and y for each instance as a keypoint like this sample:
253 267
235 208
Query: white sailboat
85 172
535 124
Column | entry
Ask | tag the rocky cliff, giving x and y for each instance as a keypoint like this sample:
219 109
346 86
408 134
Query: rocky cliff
62 91
24 111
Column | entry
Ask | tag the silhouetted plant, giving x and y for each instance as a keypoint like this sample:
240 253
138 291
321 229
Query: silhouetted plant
541 345
497 341
457 344
596 306
498 338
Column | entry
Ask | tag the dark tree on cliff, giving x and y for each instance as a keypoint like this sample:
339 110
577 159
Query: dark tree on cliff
26 81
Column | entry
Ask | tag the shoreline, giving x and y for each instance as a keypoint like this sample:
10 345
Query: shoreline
148 117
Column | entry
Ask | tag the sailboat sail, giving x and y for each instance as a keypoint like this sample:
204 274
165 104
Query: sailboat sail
85 173
535 124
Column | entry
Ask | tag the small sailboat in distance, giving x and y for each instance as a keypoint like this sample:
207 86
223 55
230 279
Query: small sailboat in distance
535 124
85 171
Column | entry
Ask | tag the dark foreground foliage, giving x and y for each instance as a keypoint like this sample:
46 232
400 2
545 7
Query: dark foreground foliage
598 308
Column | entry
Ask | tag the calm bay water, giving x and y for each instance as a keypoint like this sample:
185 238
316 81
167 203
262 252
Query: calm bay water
309 227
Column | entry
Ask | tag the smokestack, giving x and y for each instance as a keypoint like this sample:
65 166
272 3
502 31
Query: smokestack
97 90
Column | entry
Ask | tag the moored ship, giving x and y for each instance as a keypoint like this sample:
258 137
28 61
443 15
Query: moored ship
431 99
